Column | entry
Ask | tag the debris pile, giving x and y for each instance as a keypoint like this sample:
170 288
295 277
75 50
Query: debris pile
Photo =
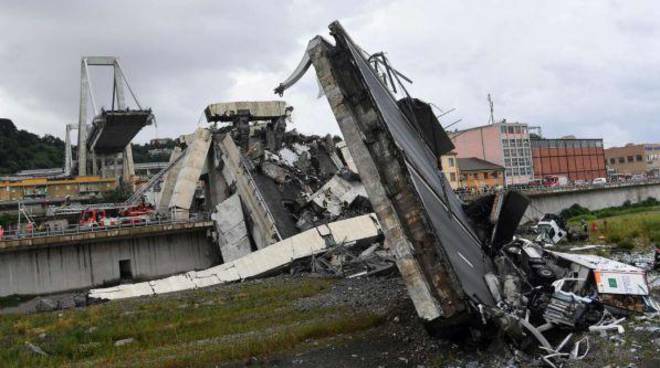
277 199
284 201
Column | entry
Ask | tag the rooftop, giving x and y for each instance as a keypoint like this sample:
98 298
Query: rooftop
476 164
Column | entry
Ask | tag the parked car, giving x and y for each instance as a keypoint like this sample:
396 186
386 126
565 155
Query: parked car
552 181
638 177
580 182
599 181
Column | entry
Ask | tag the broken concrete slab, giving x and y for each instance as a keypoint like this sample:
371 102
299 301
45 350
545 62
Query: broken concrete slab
337 193
269 260
236 172
346 156
233 237
191 169
256 110
167 188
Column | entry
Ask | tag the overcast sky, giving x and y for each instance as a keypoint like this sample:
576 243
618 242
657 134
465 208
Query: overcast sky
591 69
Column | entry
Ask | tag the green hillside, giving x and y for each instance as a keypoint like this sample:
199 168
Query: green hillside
22 150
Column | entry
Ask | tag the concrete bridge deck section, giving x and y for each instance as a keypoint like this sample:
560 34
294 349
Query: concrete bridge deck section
593 198
112 234
78 261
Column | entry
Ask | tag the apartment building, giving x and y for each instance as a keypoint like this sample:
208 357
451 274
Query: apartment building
504 144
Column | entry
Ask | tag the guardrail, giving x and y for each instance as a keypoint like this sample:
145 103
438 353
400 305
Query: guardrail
96 228
533 189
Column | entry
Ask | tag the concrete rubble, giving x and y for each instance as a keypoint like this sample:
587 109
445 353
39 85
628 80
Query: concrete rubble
376 202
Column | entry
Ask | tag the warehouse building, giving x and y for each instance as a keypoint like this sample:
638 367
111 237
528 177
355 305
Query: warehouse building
576 159
634 159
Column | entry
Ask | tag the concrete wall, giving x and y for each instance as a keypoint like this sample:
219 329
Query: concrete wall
593 199
483 142
56 269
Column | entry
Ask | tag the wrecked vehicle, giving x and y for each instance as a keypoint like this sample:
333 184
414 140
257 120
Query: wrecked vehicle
551 229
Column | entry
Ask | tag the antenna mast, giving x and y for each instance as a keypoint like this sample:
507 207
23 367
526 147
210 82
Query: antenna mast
491 120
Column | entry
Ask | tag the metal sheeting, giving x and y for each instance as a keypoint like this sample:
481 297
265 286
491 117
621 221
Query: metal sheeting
611 277
259 263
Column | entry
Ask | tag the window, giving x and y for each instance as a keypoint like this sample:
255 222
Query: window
510 129
485 175
452 176
505 143
475 176
516 129
451 161
630 159
622 160
507 162
638 158
503 129
494 174
612 161
125 272
507 152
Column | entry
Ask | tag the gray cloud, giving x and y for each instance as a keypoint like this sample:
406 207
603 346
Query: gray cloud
583 68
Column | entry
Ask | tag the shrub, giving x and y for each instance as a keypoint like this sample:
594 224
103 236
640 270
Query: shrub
654 236
614 238
626 244
573 211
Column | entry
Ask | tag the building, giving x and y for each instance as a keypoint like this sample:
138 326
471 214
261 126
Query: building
45 188
576 159
450 169
634 159
504 144
477 174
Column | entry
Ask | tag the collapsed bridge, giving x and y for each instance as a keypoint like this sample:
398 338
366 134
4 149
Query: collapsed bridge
395 146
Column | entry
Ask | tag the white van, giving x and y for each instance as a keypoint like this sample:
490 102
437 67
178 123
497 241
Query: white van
599 181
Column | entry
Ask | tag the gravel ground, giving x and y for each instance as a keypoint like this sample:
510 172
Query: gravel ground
402 341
